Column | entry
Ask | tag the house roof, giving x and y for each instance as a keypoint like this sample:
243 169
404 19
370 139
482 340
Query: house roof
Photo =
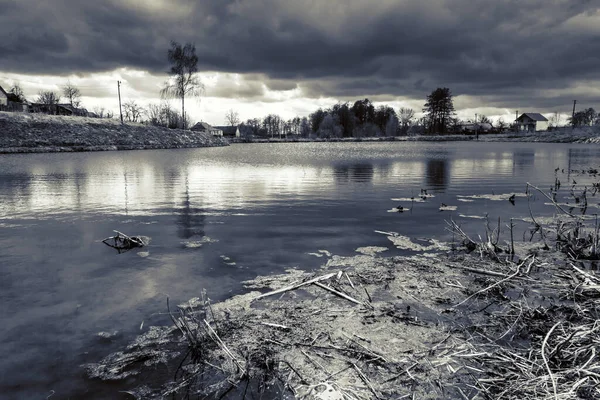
202 126
227 130
67 107
3 91
533 116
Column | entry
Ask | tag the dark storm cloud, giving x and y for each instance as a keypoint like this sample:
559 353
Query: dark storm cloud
338 48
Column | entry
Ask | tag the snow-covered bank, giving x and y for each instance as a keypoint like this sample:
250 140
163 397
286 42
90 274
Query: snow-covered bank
37 133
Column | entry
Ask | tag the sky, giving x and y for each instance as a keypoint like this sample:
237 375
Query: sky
258 57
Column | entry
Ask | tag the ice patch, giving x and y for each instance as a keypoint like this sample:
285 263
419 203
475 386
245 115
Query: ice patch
445 207
194 244
397 210
320 253
107 335
227 260
371 250
411 199
405 243
471 216
495 197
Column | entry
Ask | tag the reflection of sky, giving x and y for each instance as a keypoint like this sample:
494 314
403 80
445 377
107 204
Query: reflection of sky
111 183
115 183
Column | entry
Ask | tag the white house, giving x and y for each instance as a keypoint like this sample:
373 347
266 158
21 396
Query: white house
3 97
532 122
206 128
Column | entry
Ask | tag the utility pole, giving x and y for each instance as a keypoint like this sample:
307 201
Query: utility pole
516 123
120 110
573 114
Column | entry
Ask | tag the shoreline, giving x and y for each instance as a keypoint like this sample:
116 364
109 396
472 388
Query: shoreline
39 133
589 135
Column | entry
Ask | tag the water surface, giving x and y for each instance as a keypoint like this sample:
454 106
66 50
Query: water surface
216 217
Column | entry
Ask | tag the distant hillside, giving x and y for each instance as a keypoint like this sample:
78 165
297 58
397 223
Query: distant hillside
29 133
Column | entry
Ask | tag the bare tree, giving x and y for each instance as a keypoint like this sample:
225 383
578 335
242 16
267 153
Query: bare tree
330 127
482 119
49 100
272 124
133 111
391 127
183 81
406 116
501 125
17 93
99 111
555 120
164 115
72 94
232 117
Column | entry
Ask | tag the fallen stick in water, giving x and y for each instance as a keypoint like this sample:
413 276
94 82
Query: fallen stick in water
296 286
340 294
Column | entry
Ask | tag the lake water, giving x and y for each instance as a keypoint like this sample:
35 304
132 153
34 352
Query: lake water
216 217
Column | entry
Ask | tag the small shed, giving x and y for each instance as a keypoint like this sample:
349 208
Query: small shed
229 131
206 128
532 122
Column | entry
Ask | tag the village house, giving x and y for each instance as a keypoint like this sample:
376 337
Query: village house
3 98
229 131
532 122
206 128
11 102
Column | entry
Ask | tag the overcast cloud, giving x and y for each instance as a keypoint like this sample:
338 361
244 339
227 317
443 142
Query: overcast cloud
538 54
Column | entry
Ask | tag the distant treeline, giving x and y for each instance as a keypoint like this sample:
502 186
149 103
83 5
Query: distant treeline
362 119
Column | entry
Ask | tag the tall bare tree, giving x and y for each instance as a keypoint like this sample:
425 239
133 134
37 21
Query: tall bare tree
72 94
232 117
183 81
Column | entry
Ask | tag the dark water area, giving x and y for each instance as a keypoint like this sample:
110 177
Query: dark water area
217 217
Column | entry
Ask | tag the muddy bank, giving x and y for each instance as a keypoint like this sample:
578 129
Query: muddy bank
432 326
39 133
